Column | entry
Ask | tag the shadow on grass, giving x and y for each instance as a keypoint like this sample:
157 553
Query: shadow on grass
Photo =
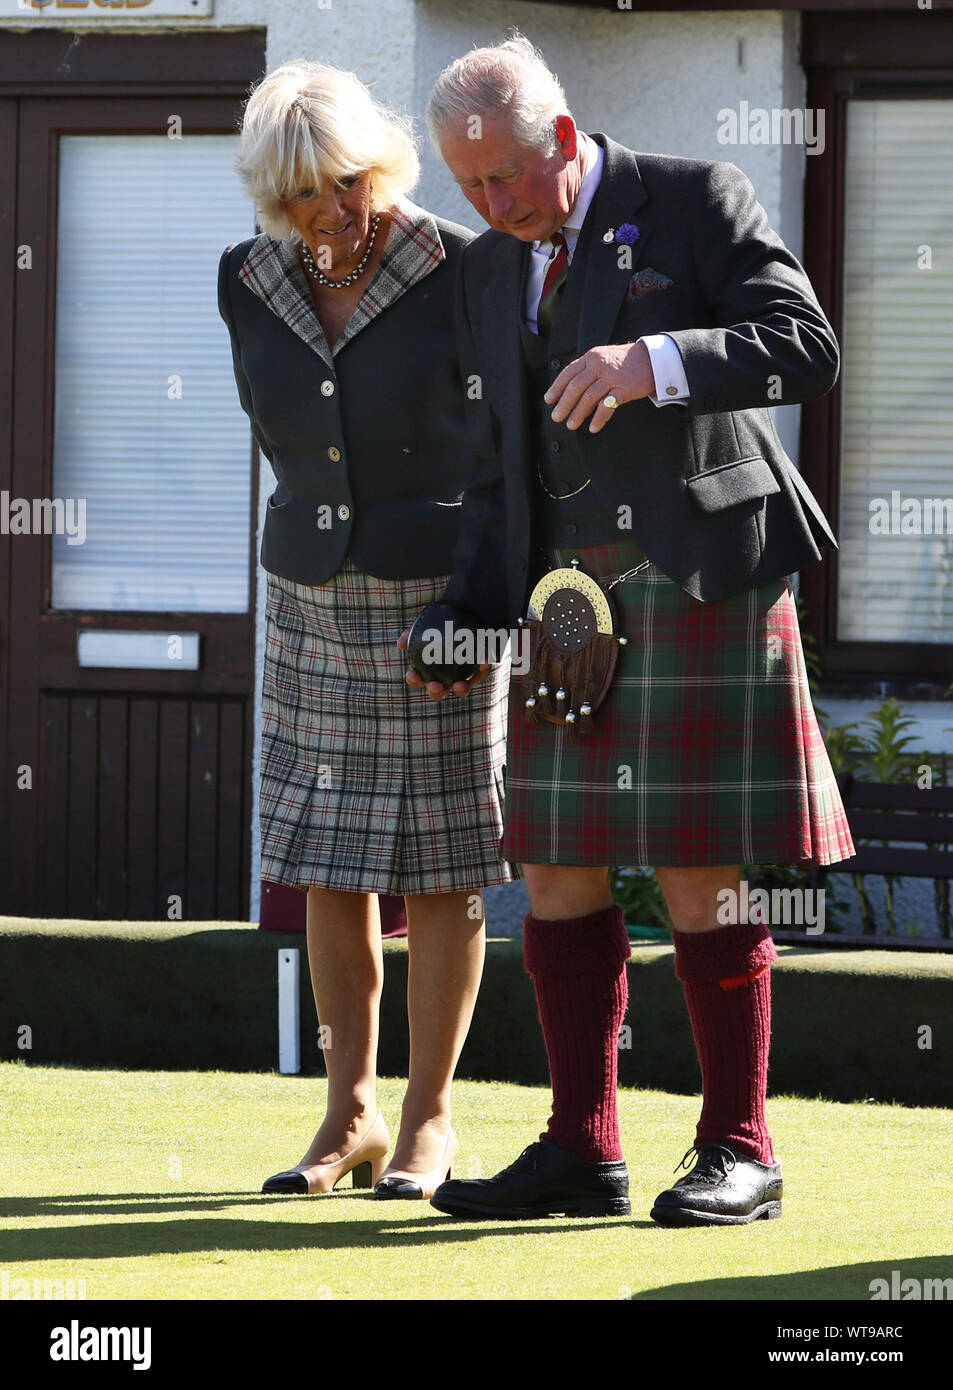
902 1280
314 1227
137 1236
261 1237
147 1203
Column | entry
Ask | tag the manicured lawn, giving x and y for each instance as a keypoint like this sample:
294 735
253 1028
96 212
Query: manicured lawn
147 1186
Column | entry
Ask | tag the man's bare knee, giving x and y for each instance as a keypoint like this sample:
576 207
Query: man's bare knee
559 891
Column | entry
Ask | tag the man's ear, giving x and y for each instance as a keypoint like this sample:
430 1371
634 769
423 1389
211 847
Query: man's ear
566 136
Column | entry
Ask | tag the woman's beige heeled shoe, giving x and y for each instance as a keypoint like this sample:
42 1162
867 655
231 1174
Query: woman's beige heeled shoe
395 1183
365 1163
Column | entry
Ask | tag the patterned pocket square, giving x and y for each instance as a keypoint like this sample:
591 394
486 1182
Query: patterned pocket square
645 282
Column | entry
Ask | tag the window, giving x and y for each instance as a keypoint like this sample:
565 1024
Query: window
146 431
877 451
896 509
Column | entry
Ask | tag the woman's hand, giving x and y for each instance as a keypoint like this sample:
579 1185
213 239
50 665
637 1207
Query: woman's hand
435 689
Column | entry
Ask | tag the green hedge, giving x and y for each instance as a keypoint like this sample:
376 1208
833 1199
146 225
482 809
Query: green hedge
204 997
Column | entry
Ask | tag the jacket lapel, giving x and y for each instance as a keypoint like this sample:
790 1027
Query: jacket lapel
618 199
273 272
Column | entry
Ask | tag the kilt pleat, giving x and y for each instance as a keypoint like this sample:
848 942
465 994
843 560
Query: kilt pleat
706 750
365 784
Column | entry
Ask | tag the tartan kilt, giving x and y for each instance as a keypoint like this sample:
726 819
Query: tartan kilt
706 750
367 785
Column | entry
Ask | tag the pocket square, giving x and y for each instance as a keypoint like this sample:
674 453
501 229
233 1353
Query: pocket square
645 282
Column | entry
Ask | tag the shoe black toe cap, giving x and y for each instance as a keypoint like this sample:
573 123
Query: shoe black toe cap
286 1182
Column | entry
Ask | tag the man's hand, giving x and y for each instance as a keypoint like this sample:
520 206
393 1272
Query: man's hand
435 689
623 370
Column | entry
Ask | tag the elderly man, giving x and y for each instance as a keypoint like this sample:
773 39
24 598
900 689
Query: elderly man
625 324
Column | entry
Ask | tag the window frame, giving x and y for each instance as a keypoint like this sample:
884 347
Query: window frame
847 57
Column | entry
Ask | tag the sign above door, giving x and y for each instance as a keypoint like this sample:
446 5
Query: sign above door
102 9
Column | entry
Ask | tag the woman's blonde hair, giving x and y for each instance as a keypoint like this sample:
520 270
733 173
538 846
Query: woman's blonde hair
306 123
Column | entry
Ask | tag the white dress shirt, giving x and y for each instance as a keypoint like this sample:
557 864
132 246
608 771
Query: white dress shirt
667 366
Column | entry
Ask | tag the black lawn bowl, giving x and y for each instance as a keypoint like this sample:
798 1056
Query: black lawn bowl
443 632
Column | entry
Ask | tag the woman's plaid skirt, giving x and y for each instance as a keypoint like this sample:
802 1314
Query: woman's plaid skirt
706 750
367 785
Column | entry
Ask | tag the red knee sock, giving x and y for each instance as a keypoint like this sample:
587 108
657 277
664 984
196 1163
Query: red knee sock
578 969
726 975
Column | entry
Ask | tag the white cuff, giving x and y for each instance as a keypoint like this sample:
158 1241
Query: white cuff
671 383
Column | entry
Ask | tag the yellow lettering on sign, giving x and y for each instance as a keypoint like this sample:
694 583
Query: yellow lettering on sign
85 4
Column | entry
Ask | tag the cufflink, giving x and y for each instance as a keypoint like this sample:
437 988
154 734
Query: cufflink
671 390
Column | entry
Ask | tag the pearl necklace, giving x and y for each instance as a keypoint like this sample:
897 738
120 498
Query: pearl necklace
356 273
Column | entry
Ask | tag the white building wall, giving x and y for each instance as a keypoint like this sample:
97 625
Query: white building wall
655 82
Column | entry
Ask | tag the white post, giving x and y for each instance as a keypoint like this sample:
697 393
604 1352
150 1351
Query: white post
289 1032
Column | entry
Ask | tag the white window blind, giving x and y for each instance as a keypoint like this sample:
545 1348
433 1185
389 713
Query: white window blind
148 429
897 420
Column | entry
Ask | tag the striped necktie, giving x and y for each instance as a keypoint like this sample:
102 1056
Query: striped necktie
556 271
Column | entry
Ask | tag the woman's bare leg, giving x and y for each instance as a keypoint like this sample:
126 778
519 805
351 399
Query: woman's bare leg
446 937
346 963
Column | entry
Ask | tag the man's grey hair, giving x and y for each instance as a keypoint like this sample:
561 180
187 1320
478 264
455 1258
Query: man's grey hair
511 77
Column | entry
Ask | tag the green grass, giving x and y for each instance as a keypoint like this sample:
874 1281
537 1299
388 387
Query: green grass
147 1185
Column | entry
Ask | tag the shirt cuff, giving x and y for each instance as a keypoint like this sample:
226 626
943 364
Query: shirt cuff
671 383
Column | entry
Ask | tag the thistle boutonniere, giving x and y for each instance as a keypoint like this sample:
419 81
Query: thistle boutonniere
626 235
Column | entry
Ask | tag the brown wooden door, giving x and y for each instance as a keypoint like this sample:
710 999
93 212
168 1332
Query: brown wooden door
126 791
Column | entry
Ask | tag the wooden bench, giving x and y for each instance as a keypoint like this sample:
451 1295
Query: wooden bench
916 823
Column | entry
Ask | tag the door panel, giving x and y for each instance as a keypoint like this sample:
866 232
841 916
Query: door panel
141 777
143 802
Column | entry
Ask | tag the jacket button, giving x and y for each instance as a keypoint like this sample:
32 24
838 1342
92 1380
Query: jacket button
344 512
572 528
327 388
334 454
554 446
555 363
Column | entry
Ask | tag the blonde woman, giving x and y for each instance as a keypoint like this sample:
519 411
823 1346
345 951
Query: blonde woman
340 318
